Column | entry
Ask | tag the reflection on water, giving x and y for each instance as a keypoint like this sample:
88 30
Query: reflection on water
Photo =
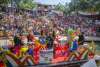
98 52
98 48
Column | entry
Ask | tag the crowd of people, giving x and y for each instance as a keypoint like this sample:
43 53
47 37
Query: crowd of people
19 22
23 24
30 35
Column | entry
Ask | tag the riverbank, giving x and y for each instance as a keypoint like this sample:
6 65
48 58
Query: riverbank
92 38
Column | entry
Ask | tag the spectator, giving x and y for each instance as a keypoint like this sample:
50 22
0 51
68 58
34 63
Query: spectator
81 39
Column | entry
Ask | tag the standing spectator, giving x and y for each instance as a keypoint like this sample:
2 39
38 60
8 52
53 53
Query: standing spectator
81 39
49 40
17 40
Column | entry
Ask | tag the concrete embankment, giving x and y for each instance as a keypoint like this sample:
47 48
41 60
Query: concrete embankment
91 38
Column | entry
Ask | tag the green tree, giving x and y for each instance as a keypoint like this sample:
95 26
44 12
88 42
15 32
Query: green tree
84 5
60 7
5 2
27 4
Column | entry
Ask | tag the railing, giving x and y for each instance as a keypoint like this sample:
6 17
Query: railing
64 64
4 41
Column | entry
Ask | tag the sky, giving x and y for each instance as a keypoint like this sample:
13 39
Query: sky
52 2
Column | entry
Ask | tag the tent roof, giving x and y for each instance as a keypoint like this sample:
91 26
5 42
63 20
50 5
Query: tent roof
52 2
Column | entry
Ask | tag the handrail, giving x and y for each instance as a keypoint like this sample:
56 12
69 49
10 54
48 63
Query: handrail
61 64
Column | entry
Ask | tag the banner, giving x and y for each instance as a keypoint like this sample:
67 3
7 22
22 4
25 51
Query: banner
46 56
61 51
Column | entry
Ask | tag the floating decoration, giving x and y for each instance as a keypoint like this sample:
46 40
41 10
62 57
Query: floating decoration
13 61
36 54
92 46
27 59
2 64
64 50
61 47
79 55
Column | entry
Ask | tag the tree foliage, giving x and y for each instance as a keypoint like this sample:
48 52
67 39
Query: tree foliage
5 2
60 7
85 5
27 4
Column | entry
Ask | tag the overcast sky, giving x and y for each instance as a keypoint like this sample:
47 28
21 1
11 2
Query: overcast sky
53 2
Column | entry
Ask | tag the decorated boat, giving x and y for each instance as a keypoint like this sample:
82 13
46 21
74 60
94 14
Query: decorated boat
60 54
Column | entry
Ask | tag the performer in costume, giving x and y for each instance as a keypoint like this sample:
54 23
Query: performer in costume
74 44
30 50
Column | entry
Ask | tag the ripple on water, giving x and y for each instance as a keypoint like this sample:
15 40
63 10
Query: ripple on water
98 48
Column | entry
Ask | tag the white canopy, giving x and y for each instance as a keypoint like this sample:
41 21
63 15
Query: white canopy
88 13
52 2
